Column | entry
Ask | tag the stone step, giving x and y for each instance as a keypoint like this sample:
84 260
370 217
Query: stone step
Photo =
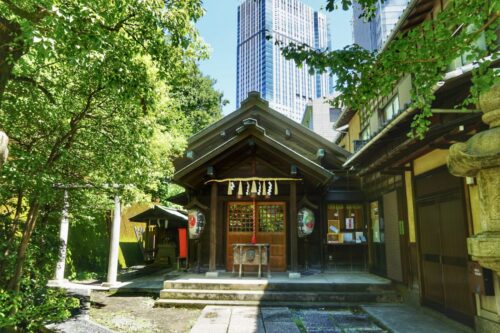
278 286
280 296
201 303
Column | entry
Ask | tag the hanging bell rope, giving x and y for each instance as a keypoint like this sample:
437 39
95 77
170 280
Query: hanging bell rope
254 225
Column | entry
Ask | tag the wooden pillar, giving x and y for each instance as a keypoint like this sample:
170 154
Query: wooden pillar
306 253
146 239
293 227
213 228
322 231
198 256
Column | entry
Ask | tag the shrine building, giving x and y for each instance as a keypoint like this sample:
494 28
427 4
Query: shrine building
256 177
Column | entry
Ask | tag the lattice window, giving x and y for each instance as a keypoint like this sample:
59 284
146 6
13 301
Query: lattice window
271 218
241 217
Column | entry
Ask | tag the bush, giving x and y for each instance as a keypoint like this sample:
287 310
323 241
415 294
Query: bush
35 305
87 247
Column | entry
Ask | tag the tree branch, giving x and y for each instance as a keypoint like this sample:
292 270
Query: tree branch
34 17
119 24
36 84
416 61
136 39
484 27
66 140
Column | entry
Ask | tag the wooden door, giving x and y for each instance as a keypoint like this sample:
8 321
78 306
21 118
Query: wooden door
443 248
376 240
269 224
430 239
391 236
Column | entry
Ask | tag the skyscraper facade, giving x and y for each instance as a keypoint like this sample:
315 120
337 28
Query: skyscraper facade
373 34
260 64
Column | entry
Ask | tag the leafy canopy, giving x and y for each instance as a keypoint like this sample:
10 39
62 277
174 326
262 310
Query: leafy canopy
89 94
464 27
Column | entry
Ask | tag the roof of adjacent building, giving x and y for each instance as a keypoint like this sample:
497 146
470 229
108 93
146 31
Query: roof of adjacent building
158 212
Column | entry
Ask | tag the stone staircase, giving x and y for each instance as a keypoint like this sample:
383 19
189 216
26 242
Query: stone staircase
294 293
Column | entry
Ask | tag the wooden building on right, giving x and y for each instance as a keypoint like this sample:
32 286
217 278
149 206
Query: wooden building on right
433 212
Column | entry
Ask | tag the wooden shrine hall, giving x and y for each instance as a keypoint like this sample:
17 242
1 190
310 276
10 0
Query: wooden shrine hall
258 179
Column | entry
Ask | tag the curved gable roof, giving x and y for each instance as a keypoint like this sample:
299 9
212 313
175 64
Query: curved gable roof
255 118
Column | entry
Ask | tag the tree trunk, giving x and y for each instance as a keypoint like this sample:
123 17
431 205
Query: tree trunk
10 51
13 229
15 281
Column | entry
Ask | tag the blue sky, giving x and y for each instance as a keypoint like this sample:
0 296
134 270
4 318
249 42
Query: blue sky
218 29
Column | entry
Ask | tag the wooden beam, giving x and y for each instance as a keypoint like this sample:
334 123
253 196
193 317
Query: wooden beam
304 202
293 227
395 170
441 145
213 227
458 111
195 203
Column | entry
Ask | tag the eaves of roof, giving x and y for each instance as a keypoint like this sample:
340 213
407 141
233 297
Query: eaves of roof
259 133
457 73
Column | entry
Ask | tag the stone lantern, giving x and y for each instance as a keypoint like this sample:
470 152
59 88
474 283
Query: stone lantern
479 157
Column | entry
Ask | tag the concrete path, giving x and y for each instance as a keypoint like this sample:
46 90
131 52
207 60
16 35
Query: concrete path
151 279
278 277
402 318
398 318
245 319
147 280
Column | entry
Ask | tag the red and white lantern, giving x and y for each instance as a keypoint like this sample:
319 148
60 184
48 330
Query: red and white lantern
305 221
196 223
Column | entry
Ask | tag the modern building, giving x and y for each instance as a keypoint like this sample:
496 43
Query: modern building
373 34
320 117
362 30
261 66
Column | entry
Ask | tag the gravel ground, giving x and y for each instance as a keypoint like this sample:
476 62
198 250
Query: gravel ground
137 314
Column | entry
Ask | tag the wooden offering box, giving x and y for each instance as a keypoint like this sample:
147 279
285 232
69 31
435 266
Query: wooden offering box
251 254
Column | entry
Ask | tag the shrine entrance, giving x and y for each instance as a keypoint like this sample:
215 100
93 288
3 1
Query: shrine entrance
249 178
264 220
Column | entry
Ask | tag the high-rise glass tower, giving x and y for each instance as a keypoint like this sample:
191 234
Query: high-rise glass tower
261 66
372 35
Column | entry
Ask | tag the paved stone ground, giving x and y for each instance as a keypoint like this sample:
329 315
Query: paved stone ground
335 321
402 318
388 318
222 319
